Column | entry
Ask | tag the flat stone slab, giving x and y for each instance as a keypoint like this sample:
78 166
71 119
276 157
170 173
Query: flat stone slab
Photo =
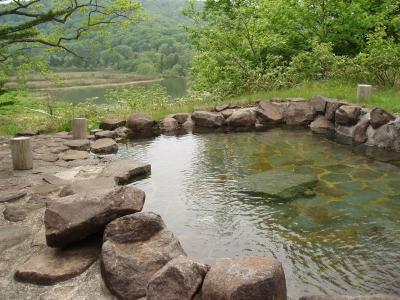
83 145
11 235
54 265
73 218
126 170
135 247
279 184
74 155
11 196
104 146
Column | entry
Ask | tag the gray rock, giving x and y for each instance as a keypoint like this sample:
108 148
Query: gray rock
221 108
74 155
341 297
66 191
269 113
12 235
319 104
111 124
82 145
73 218
45 189
55 265
125 171
129 262
322 125
105 134
380 117
11 196
347 115
245 278
242 118
279 184
122 132
15 213
141 124
48 157
180 278
52 179
386 136
207 119
181 117
169 124
104 146
27 133
93 131
227 113
299 114
360 131
331 106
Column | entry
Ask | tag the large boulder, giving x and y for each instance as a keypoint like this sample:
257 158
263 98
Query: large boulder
319 104
279 184
386 136
322 125
111 124
125 171
360 131
269 113
380 117
245 278
299 113
168 125
331 106
73 218
242 118
181 278
104 146
141 124
207 119
54 265
347 115
181 117
136 247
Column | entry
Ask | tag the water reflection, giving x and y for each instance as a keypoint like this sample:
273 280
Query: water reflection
344 240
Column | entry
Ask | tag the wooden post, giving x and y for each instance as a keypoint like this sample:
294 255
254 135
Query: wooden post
79 128
21 152
364 92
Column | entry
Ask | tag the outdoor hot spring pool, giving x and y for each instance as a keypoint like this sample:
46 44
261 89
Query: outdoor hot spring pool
342 237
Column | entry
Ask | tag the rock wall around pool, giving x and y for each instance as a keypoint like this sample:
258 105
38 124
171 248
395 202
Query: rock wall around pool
372 132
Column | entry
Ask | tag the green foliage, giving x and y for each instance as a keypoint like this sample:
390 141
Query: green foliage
268 44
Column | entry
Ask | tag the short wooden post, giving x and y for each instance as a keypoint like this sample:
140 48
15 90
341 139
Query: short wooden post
79 128
364 92
21 152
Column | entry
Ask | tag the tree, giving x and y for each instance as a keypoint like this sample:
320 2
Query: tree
54 24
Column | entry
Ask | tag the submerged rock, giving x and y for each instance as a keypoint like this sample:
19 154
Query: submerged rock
279 184
245 278
181 278
125 171
73 218
322 125
54 265
135 247
208 119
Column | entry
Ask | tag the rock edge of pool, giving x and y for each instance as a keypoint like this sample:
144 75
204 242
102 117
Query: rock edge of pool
73 226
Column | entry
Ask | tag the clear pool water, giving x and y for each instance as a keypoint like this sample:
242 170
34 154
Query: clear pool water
345 239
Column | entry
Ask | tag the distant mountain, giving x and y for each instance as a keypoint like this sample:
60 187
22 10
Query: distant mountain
157 45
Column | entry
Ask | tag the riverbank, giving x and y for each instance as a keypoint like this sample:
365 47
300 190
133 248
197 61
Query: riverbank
21 111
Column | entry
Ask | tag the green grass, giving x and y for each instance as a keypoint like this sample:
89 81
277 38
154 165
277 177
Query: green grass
18 108
387 98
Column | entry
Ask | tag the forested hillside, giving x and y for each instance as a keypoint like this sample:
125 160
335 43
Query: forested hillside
156 45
